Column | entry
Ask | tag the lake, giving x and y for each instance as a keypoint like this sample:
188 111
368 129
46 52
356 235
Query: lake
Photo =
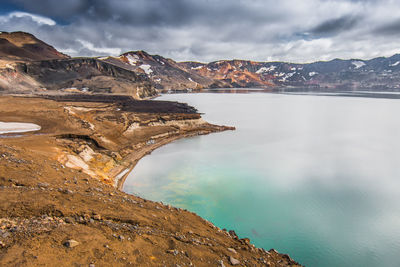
317 177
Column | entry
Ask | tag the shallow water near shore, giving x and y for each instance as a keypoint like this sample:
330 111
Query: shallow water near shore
316 177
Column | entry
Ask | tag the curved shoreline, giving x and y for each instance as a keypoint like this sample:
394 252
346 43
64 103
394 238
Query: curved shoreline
134 158
61 185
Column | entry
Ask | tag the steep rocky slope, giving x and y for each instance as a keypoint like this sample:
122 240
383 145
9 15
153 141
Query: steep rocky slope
82 75
86 75
28 65
378 73
166 74
235 73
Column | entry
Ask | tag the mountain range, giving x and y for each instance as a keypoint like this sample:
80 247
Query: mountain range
30 65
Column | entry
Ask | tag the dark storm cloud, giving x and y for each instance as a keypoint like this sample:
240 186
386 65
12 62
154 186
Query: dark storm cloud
334 26
150 12
208 30
65 9
390 29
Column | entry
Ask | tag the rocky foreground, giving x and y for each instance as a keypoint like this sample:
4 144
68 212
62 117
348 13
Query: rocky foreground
60 204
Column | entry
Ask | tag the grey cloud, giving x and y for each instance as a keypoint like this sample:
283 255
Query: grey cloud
392 28
64 9
208 30
334 26
155 12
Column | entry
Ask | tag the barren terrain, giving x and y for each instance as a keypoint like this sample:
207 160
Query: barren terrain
60 203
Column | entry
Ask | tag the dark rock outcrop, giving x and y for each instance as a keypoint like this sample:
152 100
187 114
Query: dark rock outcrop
87 74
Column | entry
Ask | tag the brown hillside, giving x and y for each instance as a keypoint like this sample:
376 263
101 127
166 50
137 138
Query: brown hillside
25 46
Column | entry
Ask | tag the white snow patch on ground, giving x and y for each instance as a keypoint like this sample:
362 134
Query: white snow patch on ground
160 61
190 79
312 73
287 76
196 68
358 64
265 69
17 127
147 68
395 64
132 59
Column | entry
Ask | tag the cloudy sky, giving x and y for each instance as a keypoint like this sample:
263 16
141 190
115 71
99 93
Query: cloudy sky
208 30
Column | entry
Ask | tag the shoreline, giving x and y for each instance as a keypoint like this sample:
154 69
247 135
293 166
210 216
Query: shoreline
135 157
45 195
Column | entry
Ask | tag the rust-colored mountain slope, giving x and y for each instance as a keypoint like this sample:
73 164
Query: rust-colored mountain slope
24 46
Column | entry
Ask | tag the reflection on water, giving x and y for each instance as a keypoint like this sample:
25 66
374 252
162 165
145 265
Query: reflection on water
389 94
313 176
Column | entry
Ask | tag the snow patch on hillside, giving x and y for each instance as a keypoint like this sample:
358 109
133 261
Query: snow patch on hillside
160 61
287 76
395 64
132 59
358 64
312 73
265 69
146 68
196 68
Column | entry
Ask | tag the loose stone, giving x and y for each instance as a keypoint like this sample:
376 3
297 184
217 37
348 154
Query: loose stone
233 261
232 250
71 243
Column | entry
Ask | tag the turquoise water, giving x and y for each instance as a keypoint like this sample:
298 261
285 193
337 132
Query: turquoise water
316 177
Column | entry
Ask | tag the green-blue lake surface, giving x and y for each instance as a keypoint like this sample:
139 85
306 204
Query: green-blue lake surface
317 177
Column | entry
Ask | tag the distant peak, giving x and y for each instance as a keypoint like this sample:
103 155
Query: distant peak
25 46
138 52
